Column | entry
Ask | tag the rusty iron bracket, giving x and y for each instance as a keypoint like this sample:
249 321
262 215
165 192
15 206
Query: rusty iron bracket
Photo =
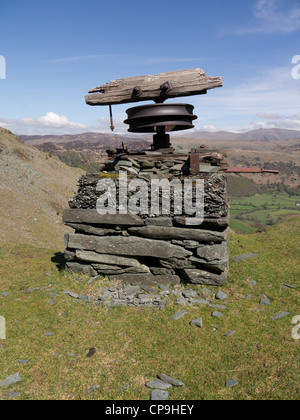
166 87
136 92
195 167
194 163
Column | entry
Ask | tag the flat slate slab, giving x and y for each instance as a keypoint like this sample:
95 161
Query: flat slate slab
198 276
93 388
221 295
78 268
221 221
265 301
280 315
159 395
10 380
126 246
159 221
213 252
179 314
91 256
13 395
158 384
217 314
198 301
229 334
91 216
146 279
160 232
197 322
170 380
231 382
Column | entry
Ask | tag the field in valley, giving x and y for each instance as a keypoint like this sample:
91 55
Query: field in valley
255 212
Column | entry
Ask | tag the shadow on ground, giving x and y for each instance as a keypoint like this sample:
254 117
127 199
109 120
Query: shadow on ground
59 260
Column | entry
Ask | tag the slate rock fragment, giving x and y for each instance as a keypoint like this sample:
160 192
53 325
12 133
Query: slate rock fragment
170 380
11 380
231 382
217 314
158 384
280 315
197 322
159 395
221 295
179 314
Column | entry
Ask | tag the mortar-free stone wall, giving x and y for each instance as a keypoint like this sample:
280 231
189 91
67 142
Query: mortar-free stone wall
145 248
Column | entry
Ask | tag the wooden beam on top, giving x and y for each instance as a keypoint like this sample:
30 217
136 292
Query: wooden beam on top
158 88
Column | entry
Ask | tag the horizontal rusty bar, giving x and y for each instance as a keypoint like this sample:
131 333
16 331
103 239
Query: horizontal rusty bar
251 170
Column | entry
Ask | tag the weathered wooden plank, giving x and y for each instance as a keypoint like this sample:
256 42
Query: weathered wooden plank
145 88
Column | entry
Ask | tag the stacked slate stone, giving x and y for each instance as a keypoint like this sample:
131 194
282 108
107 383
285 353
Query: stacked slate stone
145 248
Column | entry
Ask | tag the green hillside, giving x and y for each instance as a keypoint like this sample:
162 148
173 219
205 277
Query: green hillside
134 345
261 210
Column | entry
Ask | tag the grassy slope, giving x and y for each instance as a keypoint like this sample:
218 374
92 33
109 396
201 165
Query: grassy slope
241 227
34 191
133 346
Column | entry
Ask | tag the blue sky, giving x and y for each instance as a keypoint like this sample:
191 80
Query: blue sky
56 51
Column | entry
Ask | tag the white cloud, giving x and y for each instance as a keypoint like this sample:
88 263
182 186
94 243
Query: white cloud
270 97
167 60
269 116
208 127
291 122
51 123
54 120
273 16
77 58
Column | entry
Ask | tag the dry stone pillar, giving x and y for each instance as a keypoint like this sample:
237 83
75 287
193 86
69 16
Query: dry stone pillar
145 248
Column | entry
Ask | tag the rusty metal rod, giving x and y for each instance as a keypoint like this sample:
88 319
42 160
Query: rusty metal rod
251 170
111 119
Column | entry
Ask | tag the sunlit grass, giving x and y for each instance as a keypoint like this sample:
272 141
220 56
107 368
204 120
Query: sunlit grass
134 345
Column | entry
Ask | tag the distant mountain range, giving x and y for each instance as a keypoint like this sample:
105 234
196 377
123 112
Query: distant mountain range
255 135
264 148
115 139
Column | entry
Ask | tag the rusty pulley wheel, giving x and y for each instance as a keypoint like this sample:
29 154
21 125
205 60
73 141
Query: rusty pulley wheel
156 117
